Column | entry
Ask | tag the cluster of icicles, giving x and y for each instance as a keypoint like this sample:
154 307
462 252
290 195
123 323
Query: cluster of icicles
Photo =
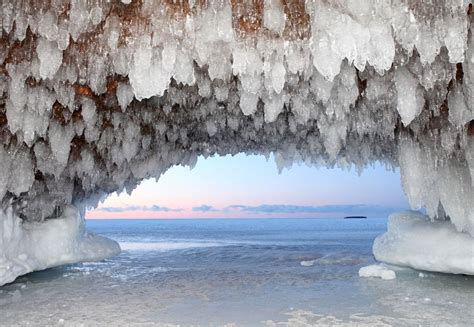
97 95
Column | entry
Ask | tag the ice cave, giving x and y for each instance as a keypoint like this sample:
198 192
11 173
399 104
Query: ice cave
97 95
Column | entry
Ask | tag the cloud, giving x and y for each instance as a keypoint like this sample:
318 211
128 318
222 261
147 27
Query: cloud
155 208
275 209
203 208
300 209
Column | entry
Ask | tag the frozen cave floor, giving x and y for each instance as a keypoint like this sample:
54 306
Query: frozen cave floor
31 246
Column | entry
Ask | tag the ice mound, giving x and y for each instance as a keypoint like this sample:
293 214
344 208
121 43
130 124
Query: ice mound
379 271
307 263
29 246
97 96
413 241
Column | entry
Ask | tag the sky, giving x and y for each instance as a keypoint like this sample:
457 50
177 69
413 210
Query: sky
244 186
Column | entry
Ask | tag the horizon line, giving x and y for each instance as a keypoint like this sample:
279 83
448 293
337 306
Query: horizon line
229 218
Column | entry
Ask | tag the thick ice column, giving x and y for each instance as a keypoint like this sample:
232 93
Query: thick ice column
29 246
440 181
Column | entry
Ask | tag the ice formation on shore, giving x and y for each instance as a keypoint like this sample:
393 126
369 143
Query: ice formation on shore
27 246
413 241
99 95
379 271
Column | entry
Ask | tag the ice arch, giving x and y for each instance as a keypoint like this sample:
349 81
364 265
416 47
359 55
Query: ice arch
98 95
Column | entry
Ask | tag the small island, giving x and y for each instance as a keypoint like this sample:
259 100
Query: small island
355 217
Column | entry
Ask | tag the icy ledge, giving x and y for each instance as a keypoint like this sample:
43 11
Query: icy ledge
29 246
414 241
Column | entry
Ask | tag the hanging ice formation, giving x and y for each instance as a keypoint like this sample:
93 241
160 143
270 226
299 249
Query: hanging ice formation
97 95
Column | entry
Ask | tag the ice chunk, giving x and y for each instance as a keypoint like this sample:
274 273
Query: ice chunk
382 50
273 16
124 95
379 271
409 97
321 87
96 15
147 76
184 69
413 241
88 112
60 142
130 142
22 174
48 27
211 128
326 61
456 38
307 263
50 58
273 107
5 162
26 247
278 76
248 103
459 113
79 18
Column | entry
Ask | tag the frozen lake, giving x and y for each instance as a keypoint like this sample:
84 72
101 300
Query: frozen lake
283 272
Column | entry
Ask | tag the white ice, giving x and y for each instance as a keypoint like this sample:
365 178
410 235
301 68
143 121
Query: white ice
378 270
92 102
29 246
412 240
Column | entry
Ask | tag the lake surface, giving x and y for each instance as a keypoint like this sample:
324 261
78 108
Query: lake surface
267 272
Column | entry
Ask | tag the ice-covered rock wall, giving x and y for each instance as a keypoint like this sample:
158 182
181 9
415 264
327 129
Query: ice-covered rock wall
97 95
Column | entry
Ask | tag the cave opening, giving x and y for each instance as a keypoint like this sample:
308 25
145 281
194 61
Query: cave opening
232 242
97 96
219 185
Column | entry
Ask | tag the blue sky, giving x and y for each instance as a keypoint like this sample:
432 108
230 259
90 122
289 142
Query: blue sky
250 186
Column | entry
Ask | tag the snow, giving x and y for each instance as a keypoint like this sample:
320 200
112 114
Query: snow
99 96
30 246
413 241
379 271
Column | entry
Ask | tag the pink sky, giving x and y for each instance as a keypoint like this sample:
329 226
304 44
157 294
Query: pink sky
252 181
187 214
